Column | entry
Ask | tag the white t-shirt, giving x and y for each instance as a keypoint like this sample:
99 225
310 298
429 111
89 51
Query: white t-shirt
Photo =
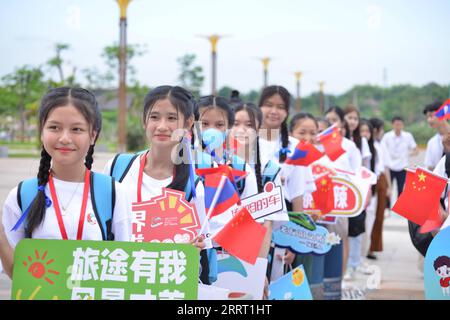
399 148
152 187
351 160
379 159
49 228
297 179
434 152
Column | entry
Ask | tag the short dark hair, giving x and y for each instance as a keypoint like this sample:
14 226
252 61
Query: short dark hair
434 106
441 261
377 123
397 118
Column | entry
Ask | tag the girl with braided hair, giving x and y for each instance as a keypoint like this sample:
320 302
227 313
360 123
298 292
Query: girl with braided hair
276 145
69 125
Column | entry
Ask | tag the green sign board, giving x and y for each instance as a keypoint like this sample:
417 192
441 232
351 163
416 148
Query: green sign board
104 270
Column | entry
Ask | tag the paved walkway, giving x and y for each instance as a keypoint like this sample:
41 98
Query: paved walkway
399 274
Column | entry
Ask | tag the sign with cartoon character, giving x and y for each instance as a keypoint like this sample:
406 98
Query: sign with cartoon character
166 218
104 270
437 267
302 235
292 286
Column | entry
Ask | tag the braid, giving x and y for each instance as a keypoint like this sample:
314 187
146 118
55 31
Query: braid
284 140
37 207
258 168
181 174
89 157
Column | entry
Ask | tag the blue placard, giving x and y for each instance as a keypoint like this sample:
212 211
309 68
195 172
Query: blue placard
292 286
301 240
437 267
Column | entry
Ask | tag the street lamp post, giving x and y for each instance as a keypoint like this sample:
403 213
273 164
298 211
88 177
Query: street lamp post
122 116
321 97
213 39
265 61
298 76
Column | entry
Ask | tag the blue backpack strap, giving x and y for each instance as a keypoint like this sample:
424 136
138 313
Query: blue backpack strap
270 172
121 165
212 261
239 164
26 192
103 197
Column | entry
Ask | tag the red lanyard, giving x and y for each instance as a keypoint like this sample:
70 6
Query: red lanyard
141 174
62 228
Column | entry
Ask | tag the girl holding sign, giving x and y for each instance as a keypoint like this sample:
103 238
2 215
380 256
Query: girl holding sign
168 115
66 200
275 145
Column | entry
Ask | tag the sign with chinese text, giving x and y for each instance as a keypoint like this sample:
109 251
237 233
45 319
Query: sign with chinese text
350 191
302 240
166 218
104 270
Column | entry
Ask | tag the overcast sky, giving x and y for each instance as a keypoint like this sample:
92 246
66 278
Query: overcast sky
343 42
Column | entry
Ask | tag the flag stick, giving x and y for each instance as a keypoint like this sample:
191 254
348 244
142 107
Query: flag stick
213 203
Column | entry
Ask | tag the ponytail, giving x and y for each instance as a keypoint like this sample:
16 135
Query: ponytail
284 141
89 157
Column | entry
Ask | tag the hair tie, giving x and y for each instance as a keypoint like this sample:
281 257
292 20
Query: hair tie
284 151
48 202
41 188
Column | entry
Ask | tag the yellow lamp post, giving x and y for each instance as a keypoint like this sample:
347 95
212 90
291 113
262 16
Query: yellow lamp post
265 61
321 97
213 39
122 115
298 76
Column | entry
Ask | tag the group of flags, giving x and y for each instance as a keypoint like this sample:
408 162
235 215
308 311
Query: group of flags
306 153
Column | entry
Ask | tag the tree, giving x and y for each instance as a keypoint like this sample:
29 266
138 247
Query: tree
191 77
58 62
22 89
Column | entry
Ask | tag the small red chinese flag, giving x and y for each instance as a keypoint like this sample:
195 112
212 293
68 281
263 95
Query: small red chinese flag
331 140
242 236
419 201
324 194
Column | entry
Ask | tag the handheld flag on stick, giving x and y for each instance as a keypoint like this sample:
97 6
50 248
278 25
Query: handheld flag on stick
242 236
304 154
331 140
419 201
443 113
324 194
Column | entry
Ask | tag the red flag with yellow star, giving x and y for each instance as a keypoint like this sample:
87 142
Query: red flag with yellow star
324 194
331 140
419 201
242 236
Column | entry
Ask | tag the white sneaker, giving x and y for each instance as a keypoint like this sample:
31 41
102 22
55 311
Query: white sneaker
365 269
349 274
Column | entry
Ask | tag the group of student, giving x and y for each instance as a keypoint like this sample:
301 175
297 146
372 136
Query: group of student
63 195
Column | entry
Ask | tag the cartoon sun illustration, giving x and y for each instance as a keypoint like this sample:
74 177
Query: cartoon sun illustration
297 277
40 268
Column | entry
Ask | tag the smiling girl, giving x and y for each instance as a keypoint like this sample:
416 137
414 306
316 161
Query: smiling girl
63 206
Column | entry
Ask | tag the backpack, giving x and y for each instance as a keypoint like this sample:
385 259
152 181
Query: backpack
103 197
123 161
270 172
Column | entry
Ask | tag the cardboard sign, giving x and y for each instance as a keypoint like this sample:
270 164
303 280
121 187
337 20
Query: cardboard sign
437 267
292 286
350 191
243 280
104 270
167 218
302 240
